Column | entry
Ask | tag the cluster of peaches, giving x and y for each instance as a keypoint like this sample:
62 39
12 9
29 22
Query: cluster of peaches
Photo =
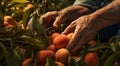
56 50
59 54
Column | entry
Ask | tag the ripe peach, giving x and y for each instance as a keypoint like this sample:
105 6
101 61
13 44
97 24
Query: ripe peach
52 47
70 35
42 55
60 41
54 35
28 6
92 42
9 21
62 55
91 59
26 62
59 63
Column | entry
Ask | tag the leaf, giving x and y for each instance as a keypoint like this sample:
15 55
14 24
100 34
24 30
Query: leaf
26 17
115 43
71 61
1 15
2 51
20 1
111 60
104 56
80 62
11 58
14 33
34 42
18 32
99 46
49 62
114 46
35 25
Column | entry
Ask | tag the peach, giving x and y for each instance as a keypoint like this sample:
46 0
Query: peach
26 62
9 22
28 6
70 35
92 42
54 35
59 63
42 55
62 55
60 41
52 47
91 59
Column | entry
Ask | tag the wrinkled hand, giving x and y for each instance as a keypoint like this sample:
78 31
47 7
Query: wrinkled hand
84 31
68 14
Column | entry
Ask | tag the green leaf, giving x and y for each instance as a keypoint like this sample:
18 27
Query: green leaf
34 42
114 46
20 1
36 27
1 15
80 62
71 61
12 58
104 56
26 17
99 46
18 32
111 60
49 62
2 51
115 43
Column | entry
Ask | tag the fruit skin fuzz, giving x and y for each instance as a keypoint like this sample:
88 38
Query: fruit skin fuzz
91 59
42 55
60 41
62 55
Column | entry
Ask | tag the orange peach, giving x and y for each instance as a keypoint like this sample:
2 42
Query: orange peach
9 22
42 55
91 59
70 35
59 63
60 41
54 35
52 47
62 55
26 62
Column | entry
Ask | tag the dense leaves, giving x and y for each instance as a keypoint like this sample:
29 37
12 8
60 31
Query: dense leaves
29 36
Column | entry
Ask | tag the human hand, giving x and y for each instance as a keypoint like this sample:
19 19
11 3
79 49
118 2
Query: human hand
55 18
84 31
87 26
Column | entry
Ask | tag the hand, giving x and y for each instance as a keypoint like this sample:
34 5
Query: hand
65 15
87 26
84 31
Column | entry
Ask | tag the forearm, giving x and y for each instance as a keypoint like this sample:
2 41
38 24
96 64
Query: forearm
79 9
106 16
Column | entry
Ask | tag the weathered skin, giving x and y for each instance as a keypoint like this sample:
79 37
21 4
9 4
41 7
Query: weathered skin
55 18
87 26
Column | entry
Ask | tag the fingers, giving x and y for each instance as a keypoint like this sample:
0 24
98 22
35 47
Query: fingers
84 37
69 28
59 20
48 17
75 39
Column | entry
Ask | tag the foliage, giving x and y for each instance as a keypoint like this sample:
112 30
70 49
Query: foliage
19 43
